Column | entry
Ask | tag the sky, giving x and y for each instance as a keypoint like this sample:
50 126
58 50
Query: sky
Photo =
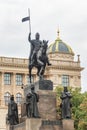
47 16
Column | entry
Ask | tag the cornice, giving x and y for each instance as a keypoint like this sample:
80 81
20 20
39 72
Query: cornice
21 63
65 68
25 66
14 65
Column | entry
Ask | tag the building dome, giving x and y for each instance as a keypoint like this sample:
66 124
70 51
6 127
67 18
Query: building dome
60 47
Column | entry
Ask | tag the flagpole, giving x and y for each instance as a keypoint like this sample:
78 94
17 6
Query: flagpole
29 20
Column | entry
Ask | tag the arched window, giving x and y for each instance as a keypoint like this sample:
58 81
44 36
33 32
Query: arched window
7 97
18 98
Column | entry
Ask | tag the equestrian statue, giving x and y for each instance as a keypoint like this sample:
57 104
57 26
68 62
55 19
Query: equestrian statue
38 55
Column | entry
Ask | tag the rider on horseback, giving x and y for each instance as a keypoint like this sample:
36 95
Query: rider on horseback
38 57
36 45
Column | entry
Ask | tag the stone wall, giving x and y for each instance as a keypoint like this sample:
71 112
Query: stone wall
3 113
21 126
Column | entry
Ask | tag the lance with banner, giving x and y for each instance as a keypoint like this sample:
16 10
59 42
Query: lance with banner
27 19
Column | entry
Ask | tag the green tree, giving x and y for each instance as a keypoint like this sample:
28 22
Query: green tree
77 99
82 125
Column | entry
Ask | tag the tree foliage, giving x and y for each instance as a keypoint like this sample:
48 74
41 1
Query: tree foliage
79 107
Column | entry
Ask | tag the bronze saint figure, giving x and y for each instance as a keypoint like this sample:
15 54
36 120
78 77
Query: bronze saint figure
31 104
12 112
66 104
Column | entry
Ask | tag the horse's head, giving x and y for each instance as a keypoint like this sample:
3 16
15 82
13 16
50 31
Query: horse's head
45 42
45 46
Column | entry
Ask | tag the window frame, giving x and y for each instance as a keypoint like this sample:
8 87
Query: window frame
7 78
65 80
19 80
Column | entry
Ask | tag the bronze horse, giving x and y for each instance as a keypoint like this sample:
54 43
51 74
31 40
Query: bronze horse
40 60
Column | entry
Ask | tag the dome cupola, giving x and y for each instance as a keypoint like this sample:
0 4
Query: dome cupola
59 47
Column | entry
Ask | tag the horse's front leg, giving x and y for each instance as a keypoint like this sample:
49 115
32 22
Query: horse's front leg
30 70
40 72
43 71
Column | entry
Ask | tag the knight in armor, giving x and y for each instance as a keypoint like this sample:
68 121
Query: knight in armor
36 45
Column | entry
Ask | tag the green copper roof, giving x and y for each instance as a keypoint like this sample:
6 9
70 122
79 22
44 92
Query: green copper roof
60 47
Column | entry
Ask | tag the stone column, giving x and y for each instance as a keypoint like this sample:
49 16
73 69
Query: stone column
68 124
13 83
59 79
2 89
25 79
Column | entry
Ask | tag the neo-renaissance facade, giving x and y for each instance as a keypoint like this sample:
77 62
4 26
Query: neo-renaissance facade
64 71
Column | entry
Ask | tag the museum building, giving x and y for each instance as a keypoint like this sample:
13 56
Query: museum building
64 71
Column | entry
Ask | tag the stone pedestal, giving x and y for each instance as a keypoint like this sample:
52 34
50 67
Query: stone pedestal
23 110
46 108
51 125
41 124
47 104
68 124
7 127
33 124
43 85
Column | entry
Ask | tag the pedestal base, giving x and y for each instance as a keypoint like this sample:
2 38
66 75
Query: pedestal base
33 124
40 124
37 124
68 124
43 85
7 127
47 105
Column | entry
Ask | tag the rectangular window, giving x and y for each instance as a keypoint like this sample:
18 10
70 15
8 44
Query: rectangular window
65 80
19 79
7 78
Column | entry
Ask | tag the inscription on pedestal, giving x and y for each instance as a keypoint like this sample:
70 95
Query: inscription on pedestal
49 122
44 85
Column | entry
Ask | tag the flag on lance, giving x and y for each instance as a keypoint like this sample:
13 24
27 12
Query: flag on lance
25 19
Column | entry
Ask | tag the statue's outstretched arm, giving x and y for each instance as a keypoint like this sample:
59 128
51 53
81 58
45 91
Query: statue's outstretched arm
29 37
